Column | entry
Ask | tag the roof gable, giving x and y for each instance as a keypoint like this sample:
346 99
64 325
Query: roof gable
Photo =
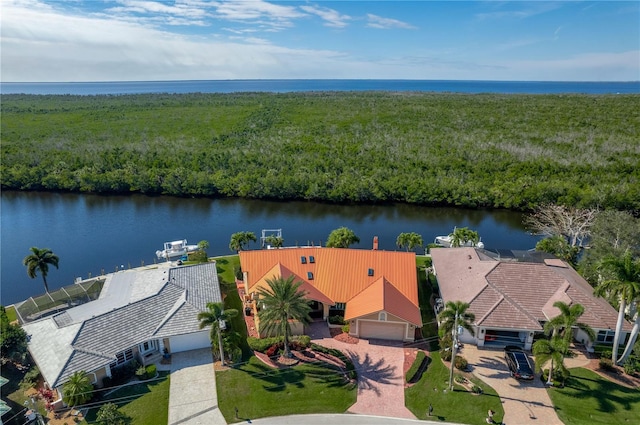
382 296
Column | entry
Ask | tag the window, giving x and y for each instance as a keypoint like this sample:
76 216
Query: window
303 260
122 357
147 346
312 259
382 316
605 337
340 306
309 275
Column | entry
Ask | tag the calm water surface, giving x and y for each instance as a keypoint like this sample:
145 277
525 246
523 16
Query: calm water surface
90 232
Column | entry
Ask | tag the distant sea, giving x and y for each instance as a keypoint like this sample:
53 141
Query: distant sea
285 86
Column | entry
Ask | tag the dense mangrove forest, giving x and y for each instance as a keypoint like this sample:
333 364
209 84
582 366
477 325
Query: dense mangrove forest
471 150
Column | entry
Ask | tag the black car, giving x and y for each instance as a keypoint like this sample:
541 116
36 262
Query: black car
518 363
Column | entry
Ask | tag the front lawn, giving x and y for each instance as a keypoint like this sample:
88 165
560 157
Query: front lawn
259 391
458 405
588 398
146 403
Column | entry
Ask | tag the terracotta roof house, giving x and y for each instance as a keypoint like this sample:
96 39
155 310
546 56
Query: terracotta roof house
139 313
376 291
512 295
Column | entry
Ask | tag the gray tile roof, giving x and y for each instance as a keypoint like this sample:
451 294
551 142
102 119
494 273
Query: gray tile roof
170 310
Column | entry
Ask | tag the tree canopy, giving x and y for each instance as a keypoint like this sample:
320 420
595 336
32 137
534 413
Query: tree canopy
13 339
409 240
240 240
218 319
512 151
281 302
78 389
342 237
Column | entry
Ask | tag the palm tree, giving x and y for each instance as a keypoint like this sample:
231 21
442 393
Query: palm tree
274 241
455 314
39 261
342 238
623 284
282 302
553 350
78 389
462 235
240 240
409 240
563 323
216 317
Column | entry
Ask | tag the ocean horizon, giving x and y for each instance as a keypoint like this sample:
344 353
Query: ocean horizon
311 85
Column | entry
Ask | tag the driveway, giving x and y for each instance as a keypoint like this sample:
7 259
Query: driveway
193 398
524 402
380 373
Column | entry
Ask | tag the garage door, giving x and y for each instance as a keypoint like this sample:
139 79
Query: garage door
190 341
382 330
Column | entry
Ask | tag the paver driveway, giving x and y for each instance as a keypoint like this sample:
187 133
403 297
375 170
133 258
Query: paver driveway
380 373
524 402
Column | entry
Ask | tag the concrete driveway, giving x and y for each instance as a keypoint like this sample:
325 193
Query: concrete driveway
380 373
524 402
193 398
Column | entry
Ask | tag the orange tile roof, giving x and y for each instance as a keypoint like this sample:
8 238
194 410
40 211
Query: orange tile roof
337 273
279 270
382 295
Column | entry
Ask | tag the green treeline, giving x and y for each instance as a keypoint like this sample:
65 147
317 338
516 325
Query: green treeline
489 150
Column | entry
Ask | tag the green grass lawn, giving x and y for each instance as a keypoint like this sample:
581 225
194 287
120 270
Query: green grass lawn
11 313
259 391
587 398
226 267
148 402
458 406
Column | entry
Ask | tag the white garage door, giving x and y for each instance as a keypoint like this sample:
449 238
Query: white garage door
382 330
190 341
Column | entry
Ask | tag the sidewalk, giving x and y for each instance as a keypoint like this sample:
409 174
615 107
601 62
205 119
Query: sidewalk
193 398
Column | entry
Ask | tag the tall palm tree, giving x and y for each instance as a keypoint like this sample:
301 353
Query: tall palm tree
78 389
563 323
622 281
409 240
455 314
282 302
216 317
240 240
552 350
39 261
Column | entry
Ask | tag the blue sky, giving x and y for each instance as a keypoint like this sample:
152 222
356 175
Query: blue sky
120 40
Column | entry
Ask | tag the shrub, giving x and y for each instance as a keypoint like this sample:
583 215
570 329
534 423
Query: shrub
151 371
477 389
107 382
630 367
606 364
346 328
273 350
261 345
30 379
141 373
606 354
336 320
461 363
415 367
303 340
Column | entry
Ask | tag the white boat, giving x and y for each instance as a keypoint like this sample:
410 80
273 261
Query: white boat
175 249
445 242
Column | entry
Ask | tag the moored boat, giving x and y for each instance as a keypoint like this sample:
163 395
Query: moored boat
175 249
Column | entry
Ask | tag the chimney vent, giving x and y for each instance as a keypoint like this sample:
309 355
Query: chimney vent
375 243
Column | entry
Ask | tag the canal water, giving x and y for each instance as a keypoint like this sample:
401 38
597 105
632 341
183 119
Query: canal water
93 233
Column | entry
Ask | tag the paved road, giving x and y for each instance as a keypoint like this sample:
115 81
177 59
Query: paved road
337 419
193 398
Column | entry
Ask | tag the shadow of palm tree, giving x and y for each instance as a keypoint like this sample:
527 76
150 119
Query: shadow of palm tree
371 373
275 379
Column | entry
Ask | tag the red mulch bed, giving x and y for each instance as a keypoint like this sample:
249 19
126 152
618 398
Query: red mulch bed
337 334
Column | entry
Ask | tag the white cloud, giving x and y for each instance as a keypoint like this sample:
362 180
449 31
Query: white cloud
376 21
331 17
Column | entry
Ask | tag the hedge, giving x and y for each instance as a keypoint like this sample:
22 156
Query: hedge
415 367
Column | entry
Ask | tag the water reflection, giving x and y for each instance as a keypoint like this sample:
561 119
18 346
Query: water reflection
94 232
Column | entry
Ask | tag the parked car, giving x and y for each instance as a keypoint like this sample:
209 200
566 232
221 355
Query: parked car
518 363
